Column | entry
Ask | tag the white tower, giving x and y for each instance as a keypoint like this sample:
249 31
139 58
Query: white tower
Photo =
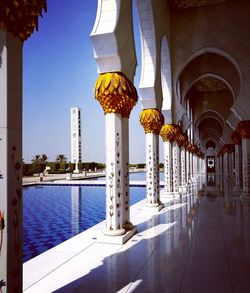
76 137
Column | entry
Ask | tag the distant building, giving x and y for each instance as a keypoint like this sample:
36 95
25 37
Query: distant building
76 136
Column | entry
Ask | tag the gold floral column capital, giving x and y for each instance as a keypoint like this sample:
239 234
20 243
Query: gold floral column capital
116 93
235 137
168 132
243 128
228 148
182 139
20 17
151 120
189 147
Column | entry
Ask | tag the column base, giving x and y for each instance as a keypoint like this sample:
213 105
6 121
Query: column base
128 226
116 239
245 198
166 194
183 189
153 207
118 232
176 193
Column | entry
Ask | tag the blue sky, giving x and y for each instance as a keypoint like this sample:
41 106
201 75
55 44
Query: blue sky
59 72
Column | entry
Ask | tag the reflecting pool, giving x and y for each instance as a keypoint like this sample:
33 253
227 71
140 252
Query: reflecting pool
53 214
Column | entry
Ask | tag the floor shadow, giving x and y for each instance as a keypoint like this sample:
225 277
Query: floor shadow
127 269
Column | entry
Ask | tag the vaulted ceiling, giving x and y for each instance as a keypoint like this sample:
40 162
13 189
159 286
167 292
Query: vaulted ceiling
210 84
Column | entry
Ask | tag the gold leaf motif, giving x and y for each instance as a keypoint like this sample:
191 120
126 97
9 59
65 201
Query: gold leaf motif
235 137
228 148
243 128
151 120
170 132
116 93
21 17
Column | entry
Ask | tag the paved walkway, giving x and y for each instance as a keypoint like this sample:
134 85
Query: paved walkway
194 245
31 180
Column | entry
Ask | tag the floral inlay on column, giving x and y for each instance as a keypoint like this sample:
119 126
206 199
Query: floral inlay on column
2 226
152 121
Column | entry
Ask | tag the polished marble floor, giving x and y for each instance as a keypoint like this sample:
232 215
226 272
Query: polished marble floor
195 244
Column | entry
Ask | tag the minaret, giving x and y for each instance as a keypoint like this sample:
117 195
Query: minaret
76 137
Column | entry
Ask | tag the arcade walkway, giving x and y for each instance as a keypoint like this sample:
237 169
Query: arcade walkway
195 244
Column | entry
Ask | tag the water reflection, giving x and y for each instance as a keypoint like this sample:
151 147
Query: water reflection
211 179
76 193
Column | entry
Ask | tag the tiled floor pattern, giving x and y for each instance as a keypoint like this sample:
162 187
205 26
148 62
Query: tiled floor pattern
194 245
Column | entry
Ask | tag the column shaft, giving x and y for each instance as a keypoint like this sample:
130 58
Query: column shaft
188 166
246 166
221 173
152 169
10 163
114 180
168 168
176 166
183 166
125 174
191 166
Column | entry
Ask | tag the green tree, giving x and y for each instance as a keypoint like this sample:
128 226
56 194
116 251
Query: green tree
44 158
61 158
35 159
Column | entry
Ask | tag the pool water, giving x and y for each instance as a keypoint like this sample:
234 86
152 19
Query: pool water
53 214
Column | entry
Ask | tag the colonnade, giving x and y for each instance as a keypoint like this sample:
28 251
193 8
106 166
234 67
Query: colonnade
183 161
233 162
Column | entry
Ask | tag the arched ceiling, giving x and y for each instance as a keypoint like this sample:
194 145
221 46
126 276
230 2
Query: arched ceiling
210 83
210 64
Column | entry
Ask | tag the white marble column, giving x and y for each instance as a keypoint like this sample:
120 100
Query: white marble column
246 168
152 171
114 180
230 163
237 167
152 121
225 164
168 168
237 162
188 166
176 167
195 167
183 168
221 171
125 174
117 105
10 163
191 166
